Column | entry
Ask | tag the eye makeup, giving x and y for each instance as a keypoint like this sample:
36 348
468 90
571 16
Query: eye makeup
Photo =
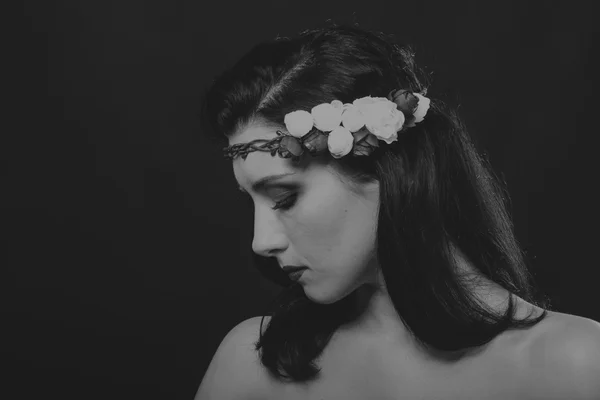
287 203
266 181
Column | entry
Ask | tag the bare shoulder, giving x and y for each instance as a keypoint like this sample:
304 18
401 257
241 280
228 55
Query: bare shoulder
563 360
235 371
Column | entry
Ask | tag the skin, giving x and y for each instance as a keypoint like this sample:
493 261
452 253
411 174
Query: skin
330 228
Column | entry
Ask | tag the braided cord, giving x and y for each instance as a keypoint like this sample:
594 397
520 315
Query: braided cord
243 149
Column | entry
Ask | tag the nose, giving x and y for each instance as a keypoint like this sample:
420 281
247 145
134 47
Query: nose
269 238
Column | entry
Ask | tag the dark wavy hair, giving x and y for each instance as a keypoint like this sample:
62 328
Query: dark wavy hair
436 190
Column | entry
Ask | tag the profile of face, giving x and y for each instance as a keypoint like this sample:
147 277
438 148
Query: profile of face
310 217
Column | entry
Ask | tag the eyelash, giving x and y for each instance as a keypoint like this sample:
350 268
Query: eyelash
286 203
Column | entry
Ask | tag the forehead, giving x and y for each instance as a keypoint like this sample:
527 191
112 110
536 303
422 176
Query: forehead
257 164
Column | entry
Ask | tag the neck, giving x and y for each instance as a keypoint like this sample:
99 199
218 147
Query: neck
376 313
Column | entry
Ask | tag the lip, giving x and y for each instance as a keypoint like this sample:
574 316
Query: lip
294 273
291 268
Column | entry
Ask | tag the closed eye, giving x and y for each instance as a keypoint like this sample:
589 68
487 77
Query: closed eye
287 203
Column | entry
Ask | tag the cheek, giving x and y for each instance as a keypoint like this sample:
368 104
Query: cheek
326 227
318 224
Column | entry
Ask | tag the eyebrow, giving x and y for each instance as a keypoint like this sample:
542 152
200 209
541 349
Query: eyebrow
265 181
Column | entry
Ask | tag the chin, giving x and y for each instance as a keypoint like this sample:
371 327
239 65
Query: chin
324 296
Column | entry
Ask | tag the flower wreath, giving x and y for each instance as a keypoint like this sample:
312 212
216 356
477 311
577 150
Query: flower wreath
339 127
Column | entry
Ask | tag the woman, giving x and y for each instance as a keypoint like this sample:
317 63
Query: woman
412 282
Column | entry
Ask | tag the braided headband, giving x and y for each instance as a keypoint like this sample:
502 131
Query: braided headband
340 127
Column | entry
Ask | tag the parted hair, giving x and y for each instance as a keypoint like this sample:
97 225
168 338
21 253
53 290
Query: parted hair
436 190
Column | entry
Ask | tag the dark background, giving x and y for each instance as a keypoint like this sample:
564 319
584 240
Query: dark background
126 247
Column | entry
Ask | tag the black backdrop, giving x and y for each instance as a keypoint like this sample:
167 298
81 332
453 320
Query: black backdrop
126 245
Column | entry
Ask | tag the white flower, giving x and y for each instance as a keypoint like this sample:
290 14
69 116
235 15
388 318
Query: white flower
382 117
421 110
340 142
298 123
352 119
337 104
327 116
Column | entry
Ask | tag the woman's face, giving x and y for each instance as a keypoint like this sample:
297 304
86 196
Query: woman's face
320 222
